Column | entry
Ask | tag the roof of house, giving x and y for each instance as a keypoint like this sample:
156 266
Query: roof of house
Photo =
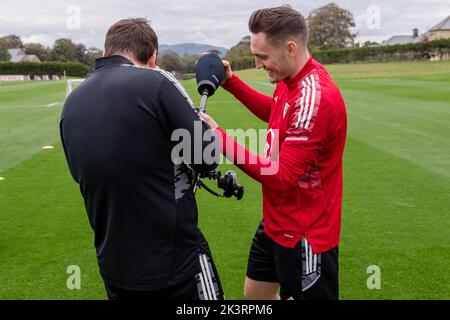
18 55
402 40
443 25
31 58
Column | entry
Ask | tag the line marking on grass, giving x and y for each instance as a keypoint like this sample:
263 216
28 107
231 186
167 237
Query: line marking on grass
1 178
47 147
52 104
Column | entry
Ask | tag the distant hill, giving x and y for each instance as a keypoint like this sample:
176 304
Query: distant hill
191 49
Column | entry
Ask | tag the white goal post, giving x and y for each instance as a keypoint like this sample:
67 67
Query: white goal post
71 85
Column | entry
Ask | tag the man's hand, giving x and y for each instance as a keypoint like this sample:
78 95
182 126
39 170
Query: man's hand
228 71
210 121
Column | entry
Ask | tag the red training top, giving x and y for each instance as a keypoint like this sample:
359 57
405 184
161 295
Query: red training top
301 170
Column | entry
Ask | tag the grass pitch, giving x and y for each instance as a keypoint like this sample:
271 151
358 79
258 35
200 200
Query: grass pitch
396 189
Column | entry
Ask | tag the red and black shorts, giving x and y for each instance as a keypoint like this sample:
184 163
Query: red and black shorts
302 275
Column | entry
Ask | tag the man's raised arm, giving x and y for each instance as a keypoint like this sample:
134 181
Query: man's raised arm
258 103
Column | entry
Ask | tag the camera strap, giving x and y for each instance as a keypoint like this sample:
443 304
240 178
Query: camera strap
204 186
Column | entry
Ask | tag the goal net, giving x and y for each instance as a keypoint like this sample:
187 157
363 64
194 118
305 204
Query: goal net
72 84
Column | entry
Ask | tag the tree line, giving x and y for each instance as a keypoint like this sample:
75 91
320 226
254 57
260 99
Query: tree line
63 50
330 27
331 40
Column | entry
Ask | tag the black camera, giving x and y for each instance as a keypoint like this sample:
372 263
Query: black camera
227 182
230 185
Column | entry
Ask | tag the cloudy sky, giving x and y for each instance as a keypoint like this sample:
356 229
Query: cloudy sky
215 22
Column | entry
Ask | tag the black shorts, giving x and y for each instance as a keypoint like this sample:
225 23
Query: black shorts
300 273
202 286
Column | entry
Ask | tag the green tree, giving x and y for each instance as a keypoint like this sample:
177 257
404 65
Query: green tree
240 56
370 44
12 41
91 55
170 61
189 63
64 50
329 27
81 53
87 56
4 54
40 51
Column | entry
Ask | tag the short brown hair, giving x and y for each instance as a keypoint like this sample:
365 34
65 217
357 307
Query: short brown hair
134 36
279 23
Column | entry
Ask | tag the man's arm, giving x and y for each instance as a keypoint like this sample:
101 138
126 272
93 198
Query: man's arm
298 154
295 159
258 103
179 113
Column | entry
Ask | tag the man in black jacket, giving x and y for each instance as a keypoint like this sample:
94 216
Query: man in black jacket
117 129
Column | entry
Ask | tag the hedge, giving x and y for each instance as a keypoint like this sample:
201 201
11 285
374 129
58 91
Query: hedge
413 51
407 52
244 62
45 68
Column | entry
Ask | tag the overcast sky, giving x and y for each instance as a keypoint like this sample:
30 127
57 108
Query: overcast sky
215 22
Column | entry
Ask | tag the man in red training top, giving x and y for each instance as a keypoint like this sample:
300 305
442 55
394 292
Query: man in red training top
295 248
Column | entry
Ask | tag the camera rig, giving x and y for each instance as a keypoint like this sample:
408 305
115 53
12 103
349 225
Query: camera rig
228 182
210 72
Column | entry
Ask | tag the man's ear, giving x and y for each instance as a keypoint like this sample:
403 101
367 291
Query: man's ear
152 61
292 49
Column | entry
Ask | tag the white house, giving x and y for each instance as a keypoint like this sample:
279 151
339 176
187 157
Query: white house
439 31
18 55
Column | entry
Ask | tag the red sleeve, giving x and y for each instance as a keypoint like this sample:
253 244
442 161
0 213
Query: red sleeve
298 153
258 103
294 160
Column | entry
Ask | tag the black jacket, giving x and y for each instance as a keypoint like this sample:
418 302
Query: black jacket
116 131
